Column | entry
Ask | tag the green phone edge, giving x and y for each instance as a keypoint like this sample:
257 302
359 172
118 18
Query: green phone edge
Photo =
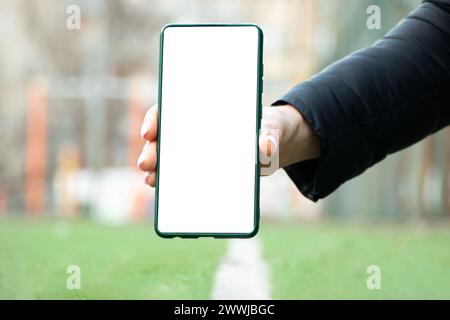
258 121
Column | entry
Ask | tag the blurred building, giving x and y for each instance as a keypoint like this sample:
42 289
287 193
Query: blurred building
72 102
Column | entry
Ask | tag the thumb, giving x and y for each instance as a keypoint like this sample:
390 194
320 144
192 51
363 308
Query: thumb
268 142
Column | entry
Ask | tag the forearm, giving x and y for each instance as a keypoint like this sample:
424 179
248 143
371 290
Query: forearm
375 101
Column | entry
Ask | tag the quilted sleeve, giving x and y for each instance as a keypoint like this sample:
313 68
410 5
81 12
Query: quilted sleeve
376 101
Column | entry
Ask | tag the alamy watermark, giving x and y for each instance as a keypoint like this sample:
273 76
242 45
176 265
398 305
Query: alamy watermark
73 281
374 19
73 21
374 278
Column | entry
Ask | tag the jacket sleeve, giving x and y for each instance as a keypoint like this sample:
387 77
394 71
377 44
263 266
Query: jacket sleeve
376 101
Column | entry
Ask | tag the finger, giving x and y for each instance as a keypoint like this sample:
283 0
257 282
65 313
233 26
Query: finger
268 144
150 178
147 159
149 129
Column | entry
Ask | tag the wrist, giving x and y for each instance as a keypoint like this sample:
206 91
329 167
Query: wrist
302 142
311 143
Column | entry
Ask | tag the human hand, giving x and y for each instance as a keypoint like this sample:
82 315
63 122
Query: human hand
296 141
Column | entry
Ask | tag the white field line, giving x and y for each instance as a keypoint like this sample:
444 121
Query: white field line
242 273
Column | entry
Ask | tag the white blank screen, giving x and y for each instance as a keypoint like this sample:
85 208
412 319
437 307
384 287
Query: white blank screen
208 130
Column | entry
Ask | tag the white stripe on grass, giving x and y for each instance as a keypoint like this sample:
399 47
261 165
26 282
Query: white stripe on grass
242 273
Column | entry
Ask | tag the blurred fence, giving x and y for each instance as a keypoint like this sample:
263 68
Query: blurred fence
72 102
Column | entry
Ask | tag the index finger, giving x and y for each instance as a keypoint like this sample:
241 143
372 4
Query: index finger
149 129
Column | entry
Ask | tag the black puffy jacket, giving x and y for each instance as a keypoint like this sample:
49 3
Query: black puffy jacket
376 101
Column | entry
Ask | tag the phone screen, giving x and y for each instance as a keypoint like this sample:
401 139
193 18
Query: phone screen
209 113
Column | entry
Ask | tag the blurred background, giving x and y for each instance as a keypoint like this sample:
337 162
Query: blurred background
72 102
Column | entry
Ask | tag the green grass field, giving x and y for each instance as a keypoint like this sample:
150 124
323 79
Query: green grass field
131 262
330 262
116 262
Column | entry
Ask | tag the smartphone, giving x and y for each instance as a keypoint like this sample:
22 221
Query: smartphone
209 114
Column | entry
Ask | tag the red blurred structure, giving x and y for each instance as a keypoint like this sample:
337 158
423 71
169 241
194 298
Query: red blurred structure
36 149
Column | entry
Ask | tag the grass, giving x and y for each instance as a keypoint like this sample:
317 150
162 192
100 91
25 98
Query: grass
307 262
330 262
128 262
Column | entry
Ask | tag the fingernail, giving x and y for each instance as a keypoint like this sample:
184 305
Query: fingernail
273 142
146 175
144 129
140 159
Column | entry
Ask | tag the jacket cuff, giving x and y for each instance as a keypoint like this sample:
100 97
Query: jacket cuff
304 174
318 178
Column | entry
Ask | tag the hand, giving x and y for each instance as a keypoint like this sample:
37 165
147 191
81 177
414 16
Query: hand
297 142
